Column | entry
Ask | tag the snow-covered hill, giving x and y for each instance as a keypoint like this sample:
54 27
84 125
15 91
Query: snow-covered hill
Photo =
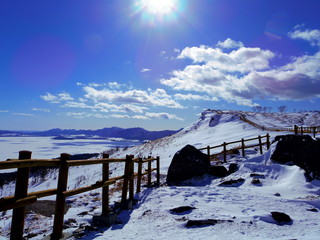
215 127
247 206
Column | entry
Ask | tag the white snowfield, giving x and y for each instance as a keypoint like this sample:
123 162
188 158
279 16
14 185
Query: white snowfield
245 207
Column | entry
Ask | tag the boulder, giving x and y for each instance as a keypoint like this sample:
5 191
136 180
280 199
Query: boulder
233 167
186 164
218 171
300 150
309 158
281 218
289 147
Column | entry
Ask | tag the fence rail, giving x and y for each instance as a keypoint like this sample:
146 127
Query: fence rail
22 198
296 129
242 146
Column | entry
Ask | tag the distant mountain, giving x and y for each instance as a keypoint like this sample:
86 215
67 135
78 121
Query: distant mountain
114 132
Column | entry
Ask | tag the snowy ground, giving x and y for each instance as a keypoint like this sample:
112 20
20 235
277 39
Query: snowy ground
246 207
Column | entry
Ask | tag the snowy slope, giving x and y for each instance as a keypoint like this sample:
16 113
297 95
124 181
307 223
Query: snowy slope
247 205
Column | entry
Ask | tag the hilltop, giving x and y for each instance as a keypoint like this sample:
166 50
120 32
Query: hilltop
244 210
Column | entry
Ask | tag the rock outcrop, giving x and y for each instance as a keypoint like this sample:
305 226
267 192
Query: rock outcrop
186 164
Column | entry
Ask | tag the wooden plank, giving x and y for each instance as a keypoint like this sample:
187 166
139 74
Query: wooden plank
38 194
7 204
21 192
73 163
97 185
105 189
13 163
60 198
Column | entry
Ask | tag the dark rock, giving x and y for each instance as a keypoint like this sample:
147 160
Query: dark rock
310 159
289 147
183 209
232 182
277 194
233 167
300 150
206 222
218 171
312 210
257 175
256 181
186 164
281 217
79 233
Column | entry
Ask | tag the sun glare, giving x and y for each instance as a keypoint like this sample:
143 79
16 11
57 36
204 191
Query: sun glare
158 6
157 10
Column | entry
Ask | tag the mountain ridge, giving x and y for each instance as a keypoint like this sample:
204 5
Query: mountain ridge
136 133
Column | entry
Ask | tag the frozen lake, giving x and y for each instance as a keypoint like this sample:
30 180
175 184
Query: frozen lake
47 148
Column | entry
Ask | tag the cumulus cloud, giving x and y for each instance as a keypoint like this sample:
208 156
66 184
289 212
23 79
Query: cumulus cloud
162 115
229 43
157 98
312 36
244 74
57 98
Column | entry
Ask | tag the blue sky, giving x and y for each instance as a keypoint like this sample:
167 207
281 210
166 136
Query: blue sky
154 64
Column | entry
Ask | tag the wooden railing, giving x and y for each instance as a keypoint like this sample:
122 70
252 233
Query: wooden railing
22 198
241 146
296 129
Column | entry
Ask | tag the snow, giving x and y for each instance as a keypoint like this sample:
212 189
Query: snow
246 207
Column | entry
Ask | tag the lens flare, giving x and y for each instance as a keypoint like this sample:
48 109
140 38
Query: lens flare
156 11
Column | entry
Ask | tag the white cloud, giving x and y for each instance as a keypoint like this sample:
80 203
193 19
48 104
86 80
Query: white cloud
40 109
157 98
50 98
312 36
193 97
120 116
162 115
143 70
3 111
114 85
229 43
24 114
56 98
243 75
141 117
83 115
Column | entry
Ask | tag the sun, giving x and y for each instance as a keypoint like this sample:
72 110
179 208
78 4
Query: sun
157 10
158 7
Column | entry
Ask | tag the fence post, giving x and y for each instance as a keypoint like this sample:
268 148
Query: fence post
242 147
126 179
268 141
149 171
21 191
158 171
295 129
208 152
301 130
131 179
224 152
314 131
139 175
60 198
105 190
260 144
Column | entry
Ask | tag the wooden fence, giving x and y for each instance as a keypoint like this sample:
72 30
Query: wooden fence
241 146
22 198
296 129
